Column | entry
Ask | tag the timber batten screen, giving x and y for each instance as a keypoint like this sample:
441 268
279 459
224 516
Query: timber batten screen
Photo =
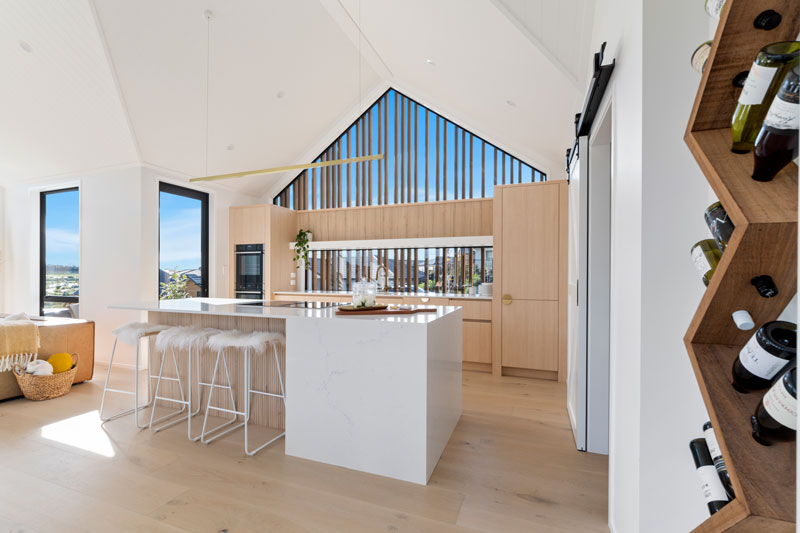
426 158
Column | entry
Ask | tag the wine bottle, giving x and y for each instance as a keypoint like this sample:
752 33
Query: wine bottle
719 462
710 484
706 255
720 224
776 415
768 70
776 144
714 8
700 57
772 347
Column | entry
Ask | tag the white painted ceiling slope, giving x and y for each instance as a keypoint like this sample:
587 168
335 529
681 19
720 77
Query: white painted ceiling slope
111 82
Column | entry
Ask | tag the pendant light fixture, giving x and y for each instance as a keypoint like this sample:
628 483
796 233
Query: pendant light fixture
208 16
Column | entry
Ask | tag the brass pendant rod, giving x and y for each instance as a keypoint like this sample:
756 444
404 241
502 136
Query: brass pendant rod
290 167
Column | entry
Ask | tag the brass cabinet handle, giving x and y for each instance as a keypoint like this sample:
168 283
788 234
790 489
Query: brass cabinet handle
506 299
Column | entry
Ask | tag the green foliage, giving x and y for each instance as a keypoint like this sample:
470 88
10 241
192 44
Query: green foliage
175 288
301 247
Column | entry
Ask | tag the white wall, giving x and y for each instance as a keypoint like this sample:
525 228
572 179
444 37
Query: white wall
658 198
118 245
619 23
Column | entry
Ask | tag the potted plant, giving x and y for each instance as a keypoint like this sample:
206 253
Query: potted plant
301 248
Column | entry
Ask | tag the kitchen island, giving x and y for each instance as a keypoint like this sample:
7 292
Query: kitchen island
379 394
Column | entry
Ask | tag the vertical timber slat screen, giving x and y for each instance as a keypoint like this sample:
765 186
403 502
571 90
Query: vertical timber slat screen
409 270
416 143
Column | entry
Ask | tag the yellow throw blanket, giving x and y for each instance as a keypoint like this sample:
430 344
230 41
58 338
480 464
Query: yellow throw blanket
17 337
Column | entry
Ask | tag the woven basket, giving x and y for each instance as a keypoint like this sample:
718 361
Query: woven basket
46 387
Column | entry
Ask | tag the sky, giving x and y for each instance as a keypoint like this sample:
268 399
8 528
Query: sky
61 228
476 150
179 232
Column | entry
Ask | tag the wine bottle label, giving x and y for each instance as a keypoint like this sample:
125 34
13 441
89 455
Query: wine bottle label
781 405
700 260
759 361
757 84
783 115
714 7
710 484
713 445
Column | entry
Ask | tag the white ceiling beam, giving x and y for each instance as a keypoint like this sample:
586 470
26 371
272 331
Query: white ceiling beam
545 51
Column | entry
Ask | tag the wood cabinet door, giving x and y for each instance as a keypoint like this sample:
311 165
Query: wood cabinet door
477 341
248 225
530 242
530 334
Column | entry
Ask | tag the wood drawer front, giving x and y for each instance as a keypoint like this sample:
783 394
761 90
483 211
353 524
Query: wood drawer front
474 310
477 339
415 300
530 335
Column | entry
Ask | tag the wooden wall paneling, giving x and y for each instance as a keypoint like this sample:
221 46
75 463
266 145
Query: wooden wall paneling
357 176
463 163
495 167
503 173
382 151
396 151
369 151
563 279
402 150
444 162
282 230
425 113
339 174
483 169
416 152
386 151
437 156
477 341
455 164
497 284
410 145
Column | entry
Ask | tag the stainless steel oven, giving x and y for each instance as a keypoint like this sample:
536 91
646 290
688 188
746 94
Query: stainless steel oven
249 282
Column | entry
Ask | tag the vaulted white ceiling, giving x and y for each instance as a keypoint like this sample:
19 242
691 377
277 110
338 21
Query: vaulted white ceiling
110 82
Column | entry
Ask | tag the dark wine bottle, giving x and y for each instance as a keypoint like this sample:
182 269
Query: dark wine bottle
706 255
763 80
719 462
720 224
776 144
776 415
710 484
772 347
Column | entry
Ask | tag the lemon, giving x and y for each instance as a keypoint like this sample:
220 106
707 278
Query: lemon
61 362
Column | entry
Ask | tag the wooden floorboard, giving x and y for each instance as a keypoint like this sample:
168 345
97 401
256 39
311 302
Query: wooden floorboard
511 465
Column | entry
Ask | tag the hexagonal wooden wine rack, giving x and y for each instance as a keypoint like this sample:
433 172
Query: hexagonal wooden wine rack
764 242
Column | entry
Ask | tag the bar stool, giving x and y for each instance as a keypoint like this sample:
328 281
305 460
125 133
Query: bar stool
181 338
131 333
255 342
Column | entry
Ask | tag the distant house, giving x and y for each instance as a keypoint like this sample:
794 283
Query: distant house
194 284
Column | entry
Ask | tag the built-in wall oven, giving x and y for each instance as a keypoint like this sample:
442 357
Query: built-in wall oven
249 282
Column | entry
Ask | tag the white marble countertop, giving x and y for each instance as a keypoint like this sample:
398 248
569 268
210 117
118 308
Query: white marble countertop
232 307
452 295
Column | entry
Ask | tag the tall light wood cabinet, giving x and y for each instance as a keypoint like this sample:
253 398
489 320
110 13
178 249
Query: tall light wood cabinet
529 333
274 227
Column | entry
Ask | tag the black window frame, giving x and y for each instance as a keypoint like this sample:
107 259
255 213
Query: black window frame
186 192
43 251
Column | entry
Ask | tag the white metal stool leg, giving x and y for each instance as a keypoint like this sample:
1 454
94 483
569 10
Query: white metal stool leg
135 392
213 385
156 397
250 390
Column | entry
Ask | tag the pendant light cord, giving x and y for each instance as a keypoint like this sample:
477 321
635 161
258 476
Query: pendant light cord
208 15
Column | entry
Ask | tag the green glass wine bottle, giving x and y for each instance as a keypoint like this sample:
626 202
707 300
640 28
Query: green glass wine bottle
766 74
706 255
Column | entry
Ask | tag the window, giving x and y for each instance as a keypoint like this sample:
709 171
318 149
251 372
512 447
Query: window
59 251
441 270
182 242
427 158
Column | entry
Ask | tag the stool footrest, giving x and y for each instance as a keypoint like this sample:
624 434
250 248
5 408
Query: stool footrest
233 412
267 394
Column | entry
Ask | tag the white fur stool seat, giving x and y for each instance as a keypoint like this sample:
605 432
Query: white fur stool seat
247 344
191 340
130 334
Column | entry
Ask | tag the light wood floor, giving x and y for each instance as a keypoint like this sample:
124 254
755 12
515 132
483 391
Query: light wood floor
511 465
